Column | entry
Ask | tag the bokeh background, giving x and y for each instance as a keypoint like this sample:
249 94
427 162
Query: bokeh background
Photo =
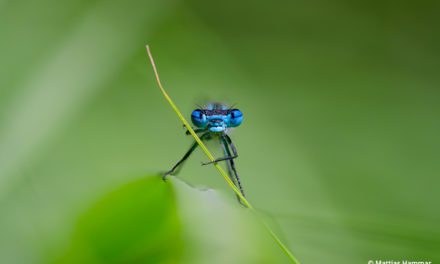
340 143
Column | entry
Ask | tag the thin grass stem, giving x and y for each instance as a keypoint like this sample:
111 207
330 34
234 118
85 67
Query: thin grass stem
216 165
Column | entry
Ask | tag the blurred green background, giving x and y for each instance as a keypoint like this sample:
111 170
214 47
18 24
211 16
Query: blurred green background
340 143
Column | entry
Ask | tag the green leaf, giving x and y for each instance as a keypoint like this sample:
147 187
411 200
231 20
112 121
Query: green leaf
136 223
151 221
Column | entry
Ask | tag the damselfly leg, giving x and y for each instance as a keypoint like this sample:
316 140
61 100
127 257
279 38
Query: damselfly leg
176 168
232 171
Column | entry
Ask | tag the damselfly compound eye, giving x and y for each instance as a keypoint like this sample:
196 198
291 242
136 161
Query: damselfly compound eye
236 117
198 118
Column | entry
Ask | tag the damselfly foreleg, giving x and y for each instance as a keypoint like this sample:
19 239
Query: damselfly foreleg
177 166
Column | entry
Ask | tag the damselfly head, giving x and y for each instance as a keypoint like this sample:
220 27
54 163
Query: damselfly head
216 117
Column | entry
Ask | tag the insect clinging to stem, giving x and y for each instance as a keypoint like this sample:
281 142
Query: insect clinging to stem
214 122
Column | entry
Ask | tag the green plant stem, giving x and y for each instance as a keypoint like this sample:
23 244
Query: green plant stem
216 165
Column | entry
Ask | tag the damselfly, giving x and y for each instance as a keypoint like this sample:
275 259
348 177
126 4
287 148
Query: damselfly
214 122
